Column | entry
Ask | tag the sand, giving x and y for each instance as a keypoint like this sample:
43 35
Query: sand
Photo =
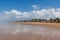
52 25
34 35
29 37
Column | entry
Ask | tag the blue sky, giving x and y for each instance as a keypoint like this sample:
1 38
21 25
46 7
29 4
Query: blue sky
27 9
25 5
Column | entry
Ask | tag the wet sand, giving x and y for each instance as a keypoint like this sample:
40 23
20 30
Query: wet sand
52 25
27 32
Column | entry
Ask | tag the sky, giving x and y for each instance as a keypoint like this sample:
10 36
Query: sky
29 9
25 5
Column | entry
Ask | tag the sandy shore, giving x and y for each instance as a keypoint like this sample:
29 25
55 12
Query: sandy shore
29 37
53 25
21 32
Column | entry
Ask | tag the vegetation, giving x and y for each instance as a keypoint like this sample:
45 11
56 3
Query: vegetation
51 20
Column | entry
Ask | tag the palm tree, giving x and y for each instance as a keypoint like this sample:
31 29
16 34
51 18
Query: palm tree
51 20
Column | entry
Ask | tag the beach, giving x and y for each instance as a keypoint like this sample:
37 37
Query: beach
52 25
28 31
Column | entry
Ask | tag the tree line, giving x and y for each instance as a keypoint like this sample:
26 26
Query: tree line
51 20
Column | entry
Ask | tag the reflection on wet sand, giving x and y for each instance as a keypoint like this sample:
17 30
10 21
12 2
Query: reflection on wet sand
10 31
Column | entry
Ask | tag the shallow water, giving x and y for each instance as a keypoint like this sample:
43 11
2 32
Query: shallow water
13 31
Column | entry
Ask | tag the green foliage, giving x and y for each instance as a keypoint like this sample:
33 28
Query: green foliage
57 20
51 20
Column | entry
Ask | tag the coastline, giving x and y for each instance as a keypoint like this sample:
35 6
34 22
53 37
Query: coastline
52 25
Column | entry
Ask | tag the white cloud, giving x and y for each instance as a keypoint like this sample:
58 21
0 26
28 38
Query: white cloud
42 14
35 6
15 12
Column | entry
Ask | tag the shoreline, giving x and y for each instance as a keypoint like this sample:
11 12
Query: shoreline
52 25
